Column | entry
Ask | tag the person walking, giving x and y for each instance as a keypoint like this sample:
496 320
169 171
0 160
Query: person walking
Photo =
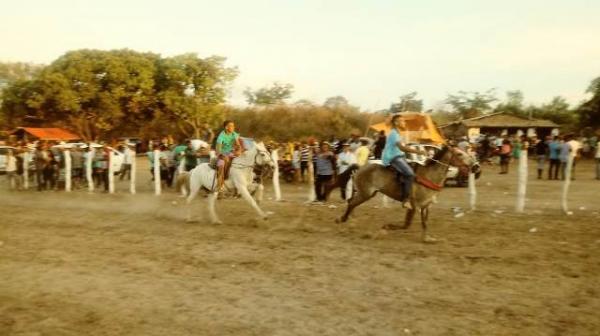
564 156
575 148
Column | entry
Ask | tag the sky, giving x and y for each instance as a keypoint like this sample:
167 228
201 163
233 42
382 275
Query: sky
369 51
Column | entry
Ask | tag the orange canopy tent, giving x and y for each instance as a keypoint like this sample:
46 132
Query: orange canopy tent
420 128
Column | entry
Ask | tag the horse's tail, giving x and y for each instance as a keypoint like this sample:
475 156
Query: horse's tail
183 183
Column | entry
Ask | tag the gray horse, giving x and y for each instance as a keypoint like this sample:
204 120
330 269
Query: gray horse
374 178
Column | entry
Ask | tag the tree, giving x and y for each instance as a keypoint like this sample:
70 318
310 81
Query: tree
589 111
192 89
408 102
11 74
275 94
471 104
336 102
513 104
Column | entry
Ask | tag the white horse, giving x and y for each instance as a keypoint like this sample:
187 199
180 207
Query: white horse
241 179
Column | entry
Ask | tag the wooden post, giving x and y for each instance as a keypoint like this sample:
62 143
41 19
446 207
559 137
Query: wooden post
88 168
156 160
111 172
566 184
522 179
312 195
132 172
276 187
472 192
26 169
67 154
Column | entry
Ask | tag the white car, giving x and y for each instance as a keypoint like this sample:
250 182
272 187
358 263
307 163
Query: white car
3 152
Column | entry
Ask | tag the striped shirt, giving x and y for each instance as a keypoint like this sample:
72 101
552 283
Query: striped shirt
304 154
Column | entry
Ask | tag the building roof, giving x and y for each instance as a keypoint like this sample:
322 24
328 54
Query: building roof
503 120
48 133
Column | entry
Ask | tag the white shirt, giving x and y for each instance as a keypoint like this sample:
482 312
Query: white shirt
127 156
11 163
575 147
345 159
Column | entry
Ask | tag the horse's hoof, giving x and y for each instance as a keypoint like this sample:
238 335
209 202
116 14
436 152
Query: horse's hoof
429 240
338 220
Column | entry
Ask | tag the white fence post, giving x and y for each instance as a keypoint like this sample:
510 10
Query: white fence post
88 168
522 180
156 160
132 172
276 187
111 172
67 154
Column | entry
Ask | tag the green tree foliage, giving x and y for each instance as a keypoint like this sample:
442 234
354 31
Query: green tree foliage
191 90
589 111
274 94
408 103
294 122
108 93
471 104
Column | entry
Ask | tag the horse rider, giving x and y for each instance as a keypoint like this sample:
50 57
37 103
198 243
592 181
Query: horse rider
394 155
229 145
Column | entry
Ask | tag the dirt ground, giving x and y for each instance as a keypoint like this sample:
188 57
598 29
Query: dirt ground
99 264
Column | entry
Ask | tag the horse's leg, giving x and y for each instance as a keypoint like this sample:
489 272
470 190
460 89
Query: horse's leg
212 197
424 218
408 219
259 193
188 204
243 191
356 200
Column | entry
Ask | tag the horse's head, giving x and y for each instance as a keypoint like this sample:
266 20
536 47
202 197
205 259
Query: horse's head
263 158
463 161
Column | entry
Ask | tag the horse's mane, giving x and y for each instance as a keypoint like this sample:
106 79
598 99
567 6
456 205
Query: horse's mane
439 155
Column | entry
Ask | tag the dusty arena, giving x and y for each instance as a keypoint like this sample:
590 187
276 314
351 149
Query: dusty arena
99 264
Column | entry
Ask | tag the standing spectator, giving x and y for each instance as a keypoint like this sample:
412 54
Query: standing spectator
345 159
597 159
505 152
41 158
379 145
128 157
564 156
554 154
100 165
354 141
171 164
296 157
163 160
208 134
11 170
541 152
325 164
575 153
191 160
77 166
304 155
179 153
362 153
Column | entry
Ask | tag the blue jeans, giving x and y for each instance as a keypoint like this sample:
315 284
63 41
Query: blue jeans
399 163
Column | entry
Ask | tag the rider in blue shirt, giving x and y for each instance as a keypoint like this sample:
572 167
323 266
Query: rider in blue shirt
393 155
